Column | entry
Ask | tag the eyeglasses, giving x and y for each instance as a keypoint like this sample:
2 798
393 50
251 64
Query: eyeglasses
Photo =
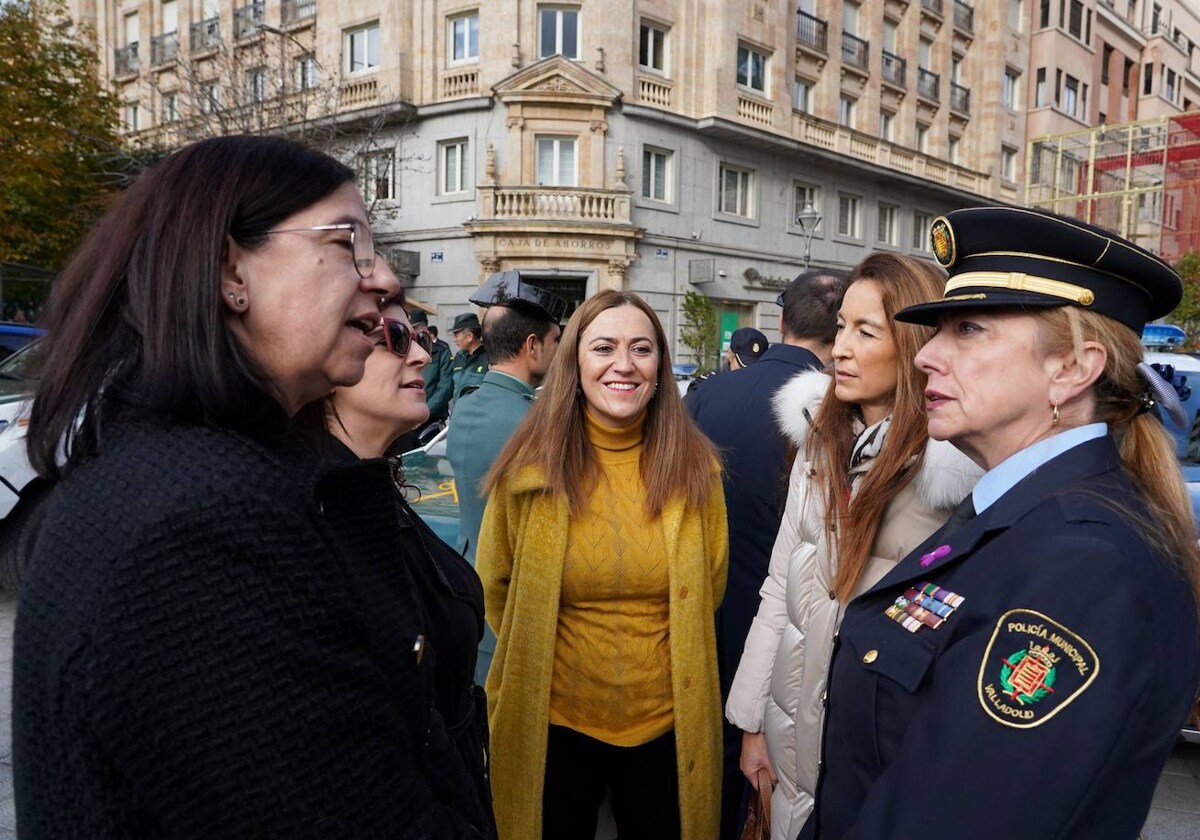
399 337
362 243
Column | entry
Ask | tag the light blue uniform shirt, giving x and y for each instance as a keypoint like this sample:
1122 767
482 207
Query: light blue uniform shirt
1002 477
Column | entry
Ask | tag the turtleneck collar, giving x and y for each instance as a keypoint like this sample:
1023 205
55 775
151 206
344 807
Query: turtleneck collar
613 442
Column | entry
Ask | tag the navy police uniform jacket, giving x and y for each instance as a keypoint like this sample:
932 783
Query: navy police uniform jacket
1024 675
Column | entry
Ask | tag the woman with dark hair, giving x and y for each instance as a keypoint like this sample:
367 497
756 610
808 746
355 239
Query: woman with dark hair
214 637
869 486
1024 672
603 554
365 420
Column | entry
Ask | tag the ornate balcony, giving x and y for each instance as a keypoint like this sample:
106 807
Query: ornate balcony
205 34
570 204
812 32
296 11
125 60
960 98
164 48
654 91
248 19
855 51
894 68
460 83
928 84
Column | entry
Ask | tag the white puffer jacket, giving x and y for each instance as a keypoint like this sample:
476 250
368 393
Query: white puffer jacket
780 683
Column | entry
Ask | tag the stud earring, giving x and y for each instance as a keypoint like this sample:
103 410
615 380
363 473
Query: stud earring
241 301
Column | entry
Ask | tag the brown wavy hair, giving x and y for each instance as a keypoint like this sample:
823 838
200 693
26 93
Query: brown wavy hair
677 459
1147 449
902 281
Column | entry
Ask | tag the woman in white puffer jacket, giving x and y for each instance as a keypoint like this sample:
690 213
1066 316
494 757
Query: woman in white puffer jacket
843 528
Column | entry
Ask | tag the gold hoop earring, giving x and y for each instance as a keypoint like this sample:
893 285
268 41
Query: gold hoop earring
1056 414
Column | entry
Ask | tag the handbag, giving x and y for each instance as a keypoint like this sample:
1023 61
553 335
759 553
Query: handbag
758 816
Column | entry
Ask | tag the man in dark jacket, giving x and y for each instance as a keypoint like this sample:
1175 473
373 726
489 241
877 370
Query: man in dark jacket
734 410
470 363
438 379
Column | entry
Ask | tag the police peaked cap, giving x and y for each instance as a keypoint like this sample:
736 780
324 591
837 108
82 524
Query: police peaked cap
506 288
748 344
1022 258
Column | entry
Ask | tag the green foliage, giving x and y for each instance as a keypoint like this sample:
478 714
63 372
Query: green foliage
57 130
700 333
1187 314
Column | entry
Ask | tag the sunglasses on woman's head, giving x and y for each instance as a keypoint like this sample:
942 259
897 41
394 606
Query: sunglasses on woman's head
399 337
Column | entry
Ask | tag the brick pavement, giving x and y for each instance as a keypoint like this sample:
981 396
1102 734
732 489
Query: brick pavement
1174 816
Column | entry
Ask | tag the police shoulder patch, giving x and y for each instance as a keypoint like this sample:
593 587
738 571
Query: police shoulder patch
1033 668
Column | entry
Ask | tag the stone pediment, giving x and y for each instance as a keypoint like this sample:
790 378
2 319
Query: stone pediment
557 79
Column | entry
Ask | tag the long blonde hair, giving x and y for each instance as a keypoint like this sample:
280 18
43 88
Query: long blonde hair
902 281
1147 449
677 459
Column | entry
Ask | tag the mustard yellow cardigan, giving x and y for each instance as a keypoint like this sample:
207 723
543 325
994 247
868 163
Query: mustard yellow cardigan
522 543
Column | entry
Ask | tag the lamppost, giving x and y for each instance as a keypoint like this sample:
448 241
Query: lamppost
808 219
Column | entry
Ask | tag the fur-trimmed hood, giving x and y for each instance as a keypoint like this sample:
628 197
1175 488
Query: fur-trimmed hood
946 476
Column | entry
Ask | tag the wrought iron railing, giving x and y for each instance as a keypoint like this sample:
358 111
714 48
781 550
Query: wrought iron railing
960 98
247 19
894 68
934 6
204 34
812 31
164 48
125 60
294 11
928 84
964 16
855 51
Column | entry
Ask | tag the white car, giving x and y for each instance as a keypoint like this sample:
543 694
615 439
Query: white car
22 492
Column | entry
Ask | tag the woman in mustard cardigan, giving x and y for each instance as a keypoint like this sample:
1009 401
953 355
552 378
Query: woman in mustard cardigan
603 554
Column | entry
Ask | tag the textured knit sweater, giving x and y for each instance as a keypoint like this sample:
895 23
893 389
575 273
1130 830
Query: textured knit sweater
215 639
612 658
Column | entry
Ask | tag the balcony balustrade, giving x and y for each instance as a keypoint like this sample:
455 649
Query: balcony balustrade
894 68
855 51
964 16
125 60
294 11
164 48
205 34
654 91
960 98
248 19
812 32
928 84
571 204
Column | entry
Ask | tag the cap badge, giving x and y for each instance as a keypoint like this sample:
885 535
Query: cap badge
754 347
941 236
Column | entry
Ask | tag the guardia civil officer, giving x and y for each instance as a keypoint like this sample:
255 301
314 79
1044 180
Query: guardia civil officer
439 379
470 363
521 328
1025 671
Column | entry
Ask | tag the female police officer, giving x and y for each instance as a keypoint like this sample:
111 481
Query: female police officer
1025 671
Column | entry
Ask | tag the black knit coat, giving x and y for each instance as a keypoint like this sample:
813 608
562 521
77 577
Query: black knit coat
214 639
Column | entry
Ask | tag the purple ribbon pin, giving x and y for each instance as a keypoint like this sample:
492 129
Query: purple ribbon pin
937 554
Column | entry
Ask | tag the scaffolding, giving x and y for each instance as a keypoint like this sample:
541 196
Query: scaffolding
1139 179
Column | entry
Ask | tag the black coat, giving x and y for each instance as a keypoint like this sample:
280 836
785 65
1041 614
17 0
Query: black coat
214 639
734 410
1046 704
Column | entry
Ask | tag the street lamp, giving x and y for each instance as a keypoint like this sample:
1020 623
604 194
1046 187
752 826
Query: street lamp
808 219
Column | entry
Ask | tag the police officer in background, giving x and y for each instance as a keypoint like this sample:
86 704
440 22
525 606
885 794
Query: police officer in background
439 379
746 347
521 328
1025 672
470 363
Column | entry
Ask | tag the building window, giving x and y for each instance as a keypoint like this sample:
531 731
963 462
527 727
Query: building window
377 176
362 48
1040 90
1044 14
454 168
1169 84
1008 163
846 111
751 69
1070 99
656 174
922 138
922 222
952 149
210 97
1148 79
802 96
256 84
849 223
304 72
1106 53
652 48
887 218
886 126
1126 75
1016 15
559 31
1012 89
802 196
129 117
463 34
556 161
736 190
169 112
1075 19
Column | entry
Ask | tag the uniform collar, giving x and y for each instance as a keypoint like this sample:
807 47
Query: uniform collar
508 382
1001 478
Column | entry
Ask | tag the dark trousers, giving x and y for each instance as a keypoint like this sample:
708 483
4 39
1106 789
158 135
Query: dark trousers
643 779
